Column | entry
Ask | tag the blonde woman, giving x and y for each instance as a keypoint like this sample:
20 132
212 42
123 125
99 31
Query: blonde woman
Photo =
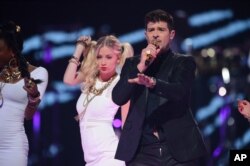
96 110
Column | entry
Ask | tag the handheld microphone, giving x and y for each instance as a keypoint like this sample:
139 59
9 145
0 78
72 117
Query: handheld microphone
148 53
149 57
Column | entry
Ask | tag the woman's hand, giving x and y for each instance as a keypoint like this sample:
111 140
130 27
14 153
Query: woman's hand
82 44
83 41
244 108
31 87
33 97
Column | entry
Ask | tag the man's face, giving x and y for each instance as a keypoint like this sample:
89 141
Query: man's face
159 32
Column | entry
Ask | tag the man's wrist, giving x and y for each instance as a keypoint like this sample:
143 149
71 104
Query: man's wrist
153 82
141 67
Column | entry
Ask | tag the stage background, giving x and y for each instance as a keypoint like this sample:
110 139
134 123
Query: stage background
216 33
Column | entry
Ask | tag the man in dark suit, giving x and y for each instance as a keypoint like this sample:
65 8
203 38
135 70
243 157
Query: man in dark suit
160 129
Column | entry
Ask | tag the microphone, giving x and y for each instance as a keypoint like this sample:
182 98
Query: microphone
148 53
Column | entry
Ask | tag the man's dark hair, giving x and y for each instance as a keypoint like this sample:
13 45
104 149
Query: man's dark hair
159 15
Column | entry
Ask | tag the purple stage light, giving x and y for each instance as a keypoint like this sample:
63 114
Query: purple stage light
36 122
117 123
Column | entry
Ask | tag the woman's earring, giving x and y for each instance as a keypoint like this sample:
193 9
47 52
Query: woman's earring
12 63
13 66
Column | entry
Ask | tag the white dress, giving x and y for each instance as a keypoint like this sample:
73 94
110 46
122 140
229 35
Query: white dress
13 140
99 141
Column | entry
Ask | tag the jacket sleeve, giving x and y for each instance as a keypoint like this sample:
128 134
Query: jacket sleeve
180 82
123 89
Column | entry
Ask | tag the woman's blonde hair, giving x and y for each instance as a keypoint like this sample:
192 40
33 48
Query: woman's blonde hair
89 66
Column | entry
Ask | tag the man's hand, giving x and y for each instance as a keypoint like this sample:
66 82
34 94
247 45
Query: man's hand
150 51
142 79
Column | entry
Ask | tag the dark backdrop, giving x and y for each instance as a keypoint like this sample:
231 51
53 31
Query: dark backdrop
54 135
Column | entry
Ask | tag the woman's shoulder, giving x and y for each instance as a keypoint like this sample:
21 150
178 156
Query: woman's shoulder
38 72
35 69
41 69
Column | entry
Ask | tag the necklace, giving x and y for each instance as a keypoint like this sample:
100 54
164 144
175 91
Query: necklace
95 92
1 95
10 74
